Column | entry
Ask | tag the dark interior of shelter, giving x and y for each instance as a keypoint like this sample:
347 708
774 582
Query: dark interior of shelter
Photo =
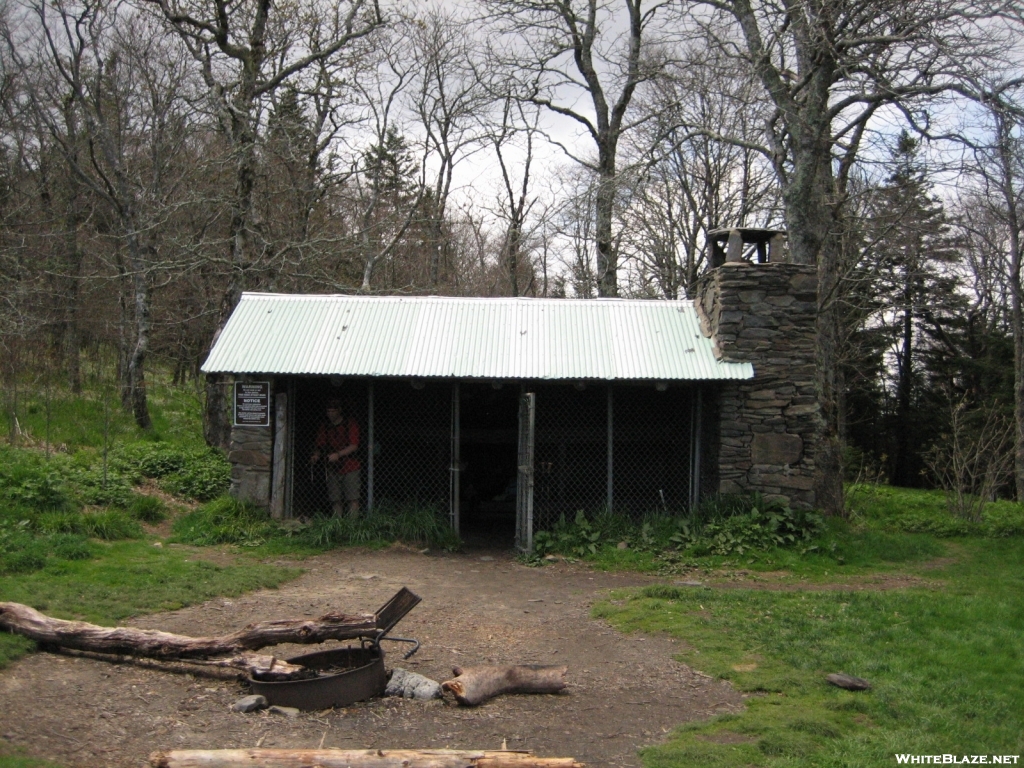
489 415
415 425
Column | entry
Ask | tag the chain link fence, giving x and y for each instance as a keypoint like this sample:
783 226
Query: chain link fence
428 435
652 446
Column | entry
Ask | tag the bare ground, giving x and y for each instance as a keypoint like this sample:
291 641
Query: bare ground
484 607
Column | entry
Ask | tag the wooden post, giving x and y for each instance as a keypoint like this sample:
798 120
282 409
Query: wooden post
695 439
369 446
278 470
456 454
611 441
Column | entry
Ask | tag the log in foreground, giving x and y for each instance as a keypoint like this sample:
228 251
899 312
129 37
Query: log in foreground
475 685
354 758
154 644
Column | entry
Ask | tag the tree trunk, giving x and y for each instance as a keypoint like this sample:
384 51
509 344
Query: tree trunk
607 261
809 219
354 758
26 621
475 685
137 359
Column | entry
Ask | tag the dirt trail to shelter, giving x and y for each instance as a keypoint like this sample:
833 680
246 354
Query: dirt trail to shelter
478 608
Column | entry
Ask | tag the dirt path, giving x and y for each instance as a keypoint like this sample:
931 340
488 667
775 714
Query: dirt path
624 692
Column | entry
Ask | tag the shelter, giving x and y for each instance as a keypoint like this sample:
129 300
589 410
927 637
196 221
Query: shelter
509 413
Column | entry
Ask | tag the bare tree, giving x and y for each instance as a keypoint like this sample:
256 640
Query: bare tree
583 60
517 130
996 223
245 52
687 182
447 98
97 68
829 67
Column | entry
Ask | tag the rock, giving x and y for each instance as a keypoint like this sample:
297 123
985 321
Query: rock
249 704
284 711
412 685
776 448
849 682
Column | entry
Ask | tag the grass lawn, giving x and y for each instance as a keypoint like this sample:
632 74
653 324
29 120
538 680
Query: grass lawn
128 578
945 659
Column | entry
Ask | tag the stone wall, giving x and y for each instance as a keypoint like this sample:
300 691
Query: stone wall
251 457
764 314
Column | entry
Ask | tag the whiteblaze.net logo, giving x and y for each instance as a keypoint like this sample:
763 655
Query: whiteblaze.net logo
957 759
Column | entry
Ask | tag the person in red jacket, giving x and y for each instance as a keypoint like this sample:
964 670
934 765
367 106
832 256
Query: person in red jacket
337 440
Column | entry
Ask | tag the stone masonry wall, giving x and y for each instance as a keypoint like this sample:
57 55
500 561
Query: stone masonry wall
764 314
251 457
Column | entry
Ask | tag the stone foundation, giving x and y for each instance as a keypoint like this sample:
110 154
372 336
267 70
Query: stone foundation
764 314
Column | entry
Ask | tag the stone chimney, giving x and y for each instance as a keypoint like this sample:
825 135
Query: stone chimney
762 311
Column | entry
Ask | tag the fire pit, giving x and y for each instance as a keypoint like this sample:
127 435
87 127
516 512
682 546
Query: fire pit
344 675
347 675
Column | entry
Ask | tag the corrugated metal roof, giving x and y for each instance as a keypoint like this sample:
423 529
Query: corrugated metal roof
431 336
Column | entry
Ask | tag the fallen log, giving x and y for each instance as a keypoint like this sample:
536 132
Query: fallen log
154 644
267 668
475 685
354 758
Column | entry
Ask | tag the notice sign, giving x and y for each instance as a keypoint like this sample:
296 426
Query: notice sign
252 403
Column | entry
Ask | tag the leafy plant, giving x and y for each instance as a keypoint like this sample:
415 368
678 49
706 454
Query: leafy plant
578 539
723 529
225 520
27 480
202 474
148 509
111 525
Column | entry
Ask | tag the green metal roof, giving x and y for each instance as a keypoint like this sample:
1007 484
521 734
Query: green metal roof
433 336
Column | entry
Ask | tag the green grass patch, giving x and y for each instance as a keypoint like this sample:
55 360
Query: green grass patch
95 417
945 664
228 521
123 579
914 510
11 757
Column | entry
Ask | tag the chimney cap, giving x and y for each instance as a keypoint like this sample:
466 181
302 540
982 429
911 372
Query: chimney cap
748 234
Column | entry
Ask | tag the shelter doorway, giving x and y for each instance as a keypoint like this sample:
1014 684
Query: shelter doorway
488 451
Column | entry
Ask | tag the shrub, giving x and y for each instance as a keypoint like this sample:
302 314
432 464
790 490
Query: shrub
111 525
733 525
205 476
148 509
225 520
202 474
26 479
68 546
